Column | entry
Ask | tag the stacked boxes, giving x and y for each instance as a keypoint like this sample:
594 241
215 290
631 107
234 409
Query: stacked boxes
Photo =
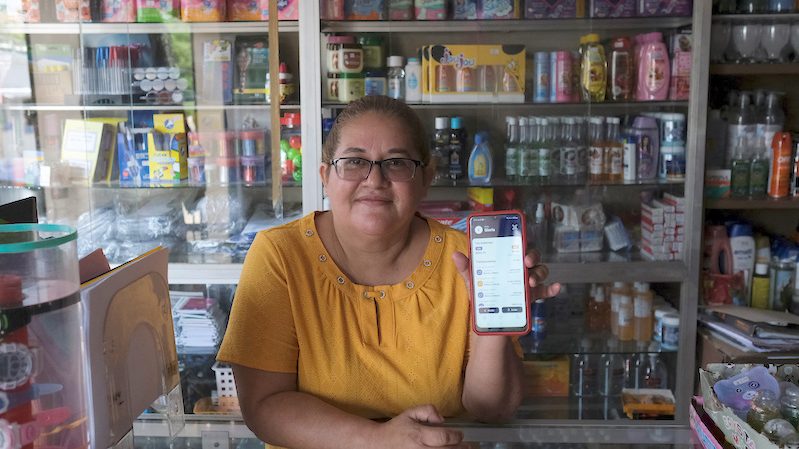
663 228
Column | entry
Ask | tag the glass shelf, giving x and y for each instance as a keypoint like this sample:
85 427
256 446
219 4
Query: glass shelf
578 108
505 26
499 182
752 204
610 267
755 69
743 17
562 340
141 107
288 26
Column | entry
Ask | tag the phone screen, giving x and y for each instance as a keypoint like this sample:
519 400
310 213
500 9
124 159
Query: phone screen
499 280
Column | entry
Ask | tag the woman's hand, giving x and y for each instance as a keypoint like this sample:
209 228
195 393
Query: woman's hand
409 430
538 273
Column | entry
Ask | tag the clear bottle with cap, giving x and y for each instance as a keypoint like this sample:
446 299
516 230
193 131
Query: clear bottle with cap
584 371
625 314
764 408
642 312
441 148
396 77
611 370
613 165
413 81
789 404
512 149
596 150
540 239
619 290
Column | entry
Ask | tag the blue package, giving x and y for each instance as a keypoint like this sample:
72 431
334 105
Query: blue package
737 391
464 9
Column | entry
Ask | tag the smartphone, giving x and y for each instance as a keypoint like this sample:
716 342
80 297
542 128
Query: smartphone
499 291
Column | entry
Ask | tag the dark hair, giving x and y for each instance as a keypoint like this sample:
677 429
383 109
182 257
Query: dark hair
387 107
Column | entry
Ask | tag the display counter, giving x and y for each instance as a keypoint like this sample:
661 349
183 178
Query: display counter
227 433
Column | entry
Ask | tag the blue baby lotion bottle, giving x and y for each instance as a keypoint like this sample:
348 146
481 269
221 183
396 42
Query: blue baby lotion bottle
480 163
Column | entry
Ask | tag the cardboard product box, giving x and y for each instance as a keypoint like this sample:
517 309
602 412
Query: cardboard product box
554 9
548 377
498 9
612 8
168 154
473 73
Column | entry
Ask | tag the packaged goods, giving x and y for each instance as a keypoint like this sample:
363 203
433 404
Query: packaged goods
670 8
554 9
473 73
73 11
681 44
364 9
430 9
157 11
498 9
203 10
464 9
119 11
331 9
611 8
400 9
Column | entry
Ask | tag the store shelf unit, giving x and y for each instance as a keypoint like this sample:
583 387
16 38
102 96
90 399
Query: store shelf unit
403 38
753 204
146 28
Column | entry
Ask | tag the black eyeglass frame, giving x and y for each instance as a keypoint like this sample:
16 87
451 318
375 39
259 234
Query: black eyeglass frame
417 163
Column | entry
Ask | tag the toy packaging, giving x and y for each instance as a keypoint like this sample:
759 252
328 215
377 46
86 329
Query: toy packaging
464 10
554 9
202 10
167 149
430 9
364 9
217 73
612 8
473 73
251 67
681 47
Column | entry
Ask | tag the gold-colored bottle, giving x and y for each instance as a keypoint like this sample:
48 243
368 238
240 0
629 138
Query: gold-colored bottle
593 69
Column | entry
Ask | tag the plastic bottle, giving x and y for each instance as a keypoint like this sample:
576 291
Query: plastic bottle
655 374
789 404
512 149
545 150
740 169
621 70
769 118
647 145
396 77
758 173
480 160
457 148
642 312
594 66
611 370
569 149
653 68
619 291
441 148
413 79
780 173
626 317
598 313
584 371
540 238
531 149
760 286
525 151
613 166
742 244
596 150
740 124
634 366
781 283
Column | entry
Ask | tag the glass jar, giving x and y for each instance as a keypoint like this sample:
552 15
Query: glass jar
764 408
789 404
777 429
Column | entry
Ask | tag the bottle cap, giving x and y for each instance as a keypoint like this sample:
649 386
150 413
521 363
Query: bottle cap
394 61
522 121
456 123
741 230
480 138
761 269
596 120
413 60
511 120
613 120
591 38
442 122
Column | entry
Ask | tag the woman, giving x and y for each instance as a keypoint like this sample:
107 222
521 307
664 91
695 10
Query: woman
362 312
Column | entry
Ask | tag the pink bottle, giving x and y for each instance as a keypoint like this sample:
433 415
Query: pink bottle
654 70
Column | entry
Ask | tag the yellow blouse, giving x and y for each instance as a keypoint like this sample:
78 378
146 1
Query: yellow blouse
373 351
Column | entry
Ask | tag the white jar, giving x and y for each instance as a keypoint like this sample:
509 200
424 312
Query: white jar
671 331
413 81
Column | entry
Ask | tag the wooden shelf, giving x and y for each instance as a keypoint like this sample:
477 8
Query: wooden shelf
755 69
752 204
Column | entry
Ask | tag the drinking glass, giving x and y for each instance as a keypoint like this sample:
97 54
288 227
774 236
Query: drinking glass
795 40
745 41
774 39
719 40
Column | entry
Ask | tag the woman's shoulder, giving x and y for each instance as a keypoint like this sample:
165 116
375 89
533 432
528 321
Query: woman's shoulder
289 235
450 235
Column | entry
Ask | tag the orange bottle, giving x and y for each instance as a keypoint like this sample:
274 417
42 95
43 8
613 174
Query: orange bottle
780 173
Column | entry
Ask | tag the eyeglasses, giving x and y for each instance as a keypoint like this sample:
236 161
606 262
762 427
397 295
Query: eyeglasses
398 169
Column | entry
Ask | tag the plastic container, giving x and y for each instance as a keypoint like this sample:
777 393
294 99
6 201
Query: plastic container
671 331
253 169
593 73
196 170
413 81
373 54
480 160
334 45
657 328
626 330
374 82
228 170
645 132
642 312
654 69
396 77
621 70
41 346
351 87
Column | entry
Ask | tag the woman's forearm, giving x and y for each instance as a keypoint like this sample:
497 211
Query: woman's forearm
492 389
299 421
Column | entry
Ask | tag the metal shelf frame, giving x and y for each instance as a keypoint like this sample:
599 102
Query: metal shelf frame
146 28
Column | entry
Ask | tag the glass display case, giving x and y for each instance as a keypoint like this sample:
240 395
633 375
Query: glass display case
147 129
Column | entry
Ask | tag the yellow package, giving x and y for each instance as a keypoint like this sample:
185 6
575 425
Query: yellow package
473 73
167 149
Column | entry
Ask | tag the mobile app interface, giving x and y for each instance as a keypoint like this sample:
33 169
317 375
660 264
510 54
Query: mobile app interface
498 277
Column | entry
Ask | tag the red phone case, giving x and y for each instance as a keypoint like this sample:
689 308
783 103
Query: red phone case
528 324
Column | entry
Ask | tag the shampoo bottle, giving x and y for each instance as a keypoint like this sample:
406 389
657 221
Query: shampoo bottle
480 160
653 68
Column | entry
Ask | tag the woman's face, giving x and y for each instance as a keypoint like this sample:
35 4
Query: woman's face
375 206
